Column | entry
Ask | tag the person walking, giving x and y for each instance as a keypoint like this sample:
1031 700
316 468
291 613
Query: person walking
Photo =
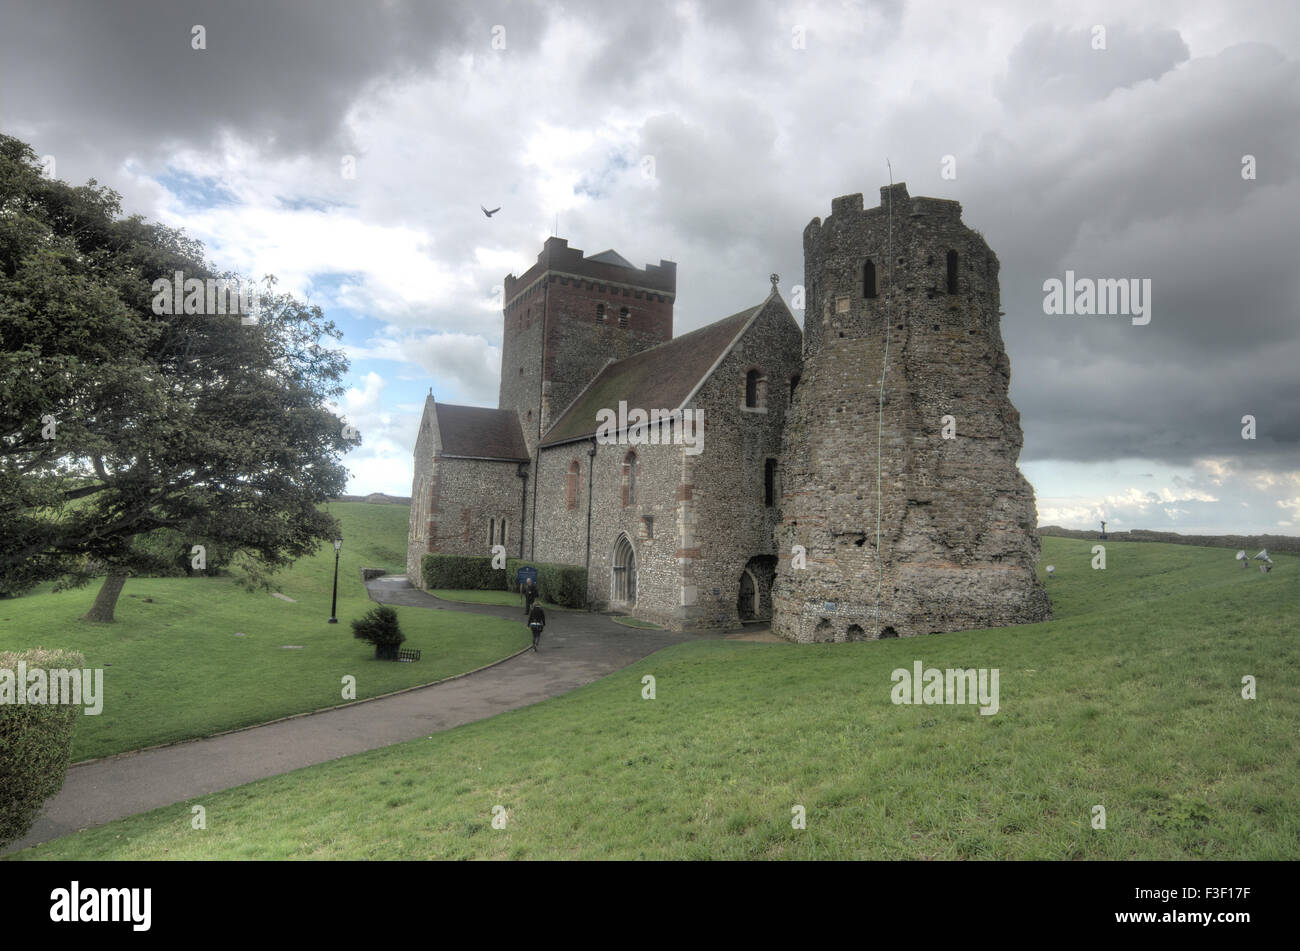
536 621
530 594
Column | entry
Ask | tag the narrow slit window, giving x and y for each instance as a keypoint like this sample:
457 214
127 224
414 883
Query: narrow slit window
571 486
869 279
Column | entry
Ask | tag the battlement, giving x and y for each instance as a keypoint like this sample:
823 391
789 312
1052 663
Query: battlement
849 209
558 258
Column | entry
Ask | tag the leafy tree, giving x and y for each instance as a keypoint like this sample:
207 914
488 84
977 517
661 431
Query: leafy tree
116 421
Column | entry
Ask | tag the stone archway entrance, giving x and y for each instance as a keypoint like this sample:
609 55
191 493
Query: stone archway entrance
747 602
624 584
754 593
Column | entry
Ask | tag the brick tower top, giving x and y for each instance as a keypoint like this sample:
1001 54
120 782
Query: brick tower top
606 268
566 317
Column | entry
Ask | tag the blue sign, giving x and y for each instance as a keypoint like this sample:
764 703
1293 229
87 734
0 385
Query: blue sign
525 574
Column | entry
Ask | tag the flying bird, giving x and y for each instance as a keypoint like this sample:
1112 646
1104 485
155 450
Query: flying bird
492 212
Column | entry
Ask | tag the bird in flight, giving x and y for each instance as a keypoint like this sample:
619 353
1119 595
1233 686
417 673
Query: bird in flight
492 212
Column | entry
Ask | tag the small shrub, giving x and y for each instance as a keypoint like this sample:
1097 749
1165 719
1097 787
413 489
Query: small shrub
379 627
35 745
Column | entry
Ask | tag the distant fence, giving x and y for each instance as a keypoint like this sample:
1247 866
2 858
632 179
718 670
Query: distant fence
1253 542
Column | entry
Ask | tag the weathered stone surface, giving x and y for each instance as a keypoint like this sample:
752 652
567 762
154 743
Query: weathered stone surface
956 519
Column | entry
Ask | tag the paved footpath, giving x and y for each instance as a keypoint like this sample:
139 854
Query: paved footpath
577 648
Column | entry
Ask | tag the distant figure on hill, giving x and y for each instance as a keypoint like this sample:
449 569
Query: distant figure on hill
536 621
530 594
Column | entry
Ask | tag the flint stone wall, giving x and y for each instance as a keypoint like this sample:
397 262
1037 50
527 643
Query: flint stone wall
956 518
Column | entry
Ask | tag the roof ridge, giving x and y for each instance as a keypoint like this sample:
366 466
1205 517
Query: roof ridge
697 330
726 351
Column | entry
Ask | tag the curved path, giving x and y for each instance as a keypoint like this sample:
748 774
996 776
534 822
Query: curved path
577 648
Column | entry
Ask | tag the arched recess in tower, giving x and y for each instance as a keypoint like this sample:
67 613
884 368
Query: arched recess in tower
754 597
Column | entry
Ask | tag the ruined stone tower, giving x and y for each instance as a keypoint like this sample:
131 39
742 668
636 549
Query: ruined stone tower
906 285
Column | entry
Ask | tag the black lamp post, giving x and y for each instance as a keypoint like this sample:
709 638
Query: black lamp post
334 602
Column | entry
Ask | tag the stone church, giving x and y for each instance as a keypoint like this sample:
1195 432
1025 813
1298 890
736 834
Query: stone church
732 473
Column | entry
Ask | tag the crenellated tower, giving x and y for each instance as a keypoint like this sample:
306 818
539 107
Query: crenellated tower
904 292
569 315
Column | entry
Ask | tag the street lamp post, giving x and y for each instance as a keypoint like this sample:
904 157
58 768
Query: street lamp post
334 602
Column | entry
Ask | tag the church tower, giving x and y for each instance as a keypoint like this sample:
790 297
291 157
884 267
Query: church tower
569 315
903 292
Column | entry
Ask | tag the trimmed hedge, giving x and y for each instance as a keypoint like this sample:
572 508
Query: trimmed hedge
35 744
565 585
465 572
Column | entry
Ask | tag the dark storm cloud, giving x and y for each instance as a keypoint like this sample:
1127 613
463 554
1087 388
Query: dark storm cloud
1060 65
1153 189
106 79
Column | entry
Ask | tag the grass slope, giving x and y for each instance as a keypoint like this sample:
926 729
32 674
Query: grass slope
178 670
1131 700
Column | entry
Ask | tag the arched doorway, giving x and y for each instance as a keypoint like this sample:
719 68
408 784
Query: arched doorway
754 597
747 602
624 586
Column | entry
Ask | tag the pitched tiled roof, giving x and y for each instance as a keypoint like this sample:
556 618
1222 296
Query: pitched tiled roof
480 432
659 378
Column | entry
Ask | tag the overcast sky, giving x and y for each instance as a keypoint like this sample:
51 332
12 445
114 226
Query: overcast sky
1117 162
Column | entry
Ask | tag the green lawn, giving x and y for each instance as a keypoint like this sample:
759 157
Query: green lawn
178 671
1130 700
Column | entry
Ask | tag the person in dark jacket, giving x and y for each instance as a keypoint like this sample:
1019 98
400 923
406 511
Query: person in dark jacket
530 595
536 621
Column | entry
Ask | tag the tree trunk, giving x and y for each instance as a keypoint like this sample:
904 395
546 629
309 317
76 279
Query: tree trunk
106 600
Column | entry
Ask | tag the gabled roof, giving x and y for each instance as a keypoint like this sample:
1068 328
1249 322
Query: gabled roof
662 377
610 256
480 433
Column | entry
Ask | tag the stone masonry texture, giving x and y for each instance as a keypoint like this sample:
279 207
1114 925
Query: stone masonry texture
957 536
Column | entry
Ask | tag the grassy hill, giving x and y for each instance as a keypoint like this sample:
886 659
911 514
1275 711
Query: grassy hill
1131 699
175 669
